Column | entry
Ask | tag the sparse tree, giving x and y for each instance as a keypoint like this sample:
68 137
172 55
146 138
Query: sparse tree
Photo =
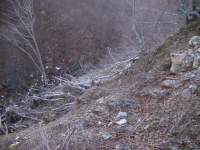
20 32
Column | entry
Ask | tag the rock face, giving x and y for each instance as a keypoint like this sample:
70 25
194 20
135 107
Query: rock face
189 59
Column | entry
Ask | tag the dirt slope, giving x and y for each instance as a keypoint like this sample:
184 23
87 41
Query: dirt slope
128 106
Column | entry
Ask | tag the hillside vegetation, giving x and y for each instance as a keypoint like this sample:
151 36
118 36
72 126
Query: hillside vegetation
135 104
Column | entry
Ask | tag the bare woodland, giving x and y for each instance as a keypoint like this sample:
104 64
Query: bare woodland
109 74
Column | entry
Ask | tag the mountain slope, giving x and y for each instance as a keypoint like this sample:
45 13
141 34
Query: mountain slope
136 104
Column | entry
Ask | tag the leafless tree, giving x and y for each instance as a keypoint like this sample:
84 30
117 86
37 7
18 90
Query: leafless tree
19 19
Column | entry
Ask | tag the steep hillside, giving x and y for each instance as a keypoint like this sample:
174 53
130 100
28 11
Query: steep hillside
138 104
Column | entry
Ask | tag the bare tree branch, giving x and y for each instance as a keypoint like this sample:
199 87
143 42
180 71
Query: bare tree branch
20 20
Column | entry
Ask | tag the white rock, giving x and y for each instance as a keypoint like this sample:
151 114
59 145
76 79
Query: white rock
121 115
58 68
121 122
99 123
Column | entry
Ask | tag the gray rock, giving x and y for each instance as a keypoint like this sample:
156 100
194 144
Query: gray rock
184 61
193 88
122 122
171 83
177 61
121 147
188 61
121 115
106 135
188 93
195 42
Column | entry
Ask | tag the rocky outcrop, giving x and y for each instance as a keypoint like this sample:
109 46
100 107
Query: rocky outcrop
186 60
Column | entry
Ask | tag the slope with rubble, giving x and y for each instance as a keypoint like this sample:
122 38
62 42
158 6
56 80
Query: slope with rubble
143 103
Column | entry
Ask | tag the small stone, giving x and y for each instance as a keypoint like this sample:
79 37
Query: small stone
187 93
194 42
121 115
13 146
99 123
121 147
106 135
117 147
146 127
171 83
17 138
121 122
63 135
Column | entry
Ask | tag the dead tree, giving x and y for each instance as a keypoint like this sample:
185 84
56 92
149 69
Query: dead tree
20 32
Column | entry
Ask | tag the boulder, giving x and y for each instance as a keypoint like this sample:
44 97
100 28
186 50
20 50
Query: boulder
177 60
184 61
195 42
190 59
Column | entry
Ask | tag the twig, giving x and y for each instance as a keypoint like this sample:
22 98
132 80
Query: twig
67 139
